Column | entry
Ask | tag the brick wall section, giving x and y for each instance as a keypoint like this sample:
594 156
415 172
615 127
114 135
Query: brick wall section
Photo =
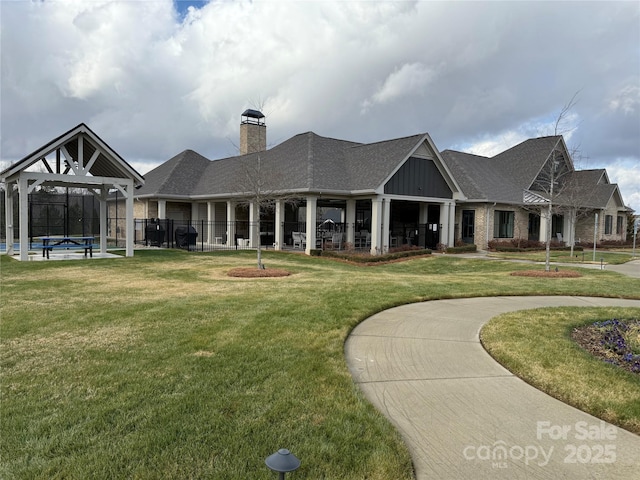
484 220
586 225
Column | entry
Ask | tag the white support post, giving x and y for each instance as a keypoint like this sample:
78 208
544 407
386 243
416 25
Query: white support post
162 209
376 228
445 222
8 215
102 198
452 223
386 219
211 218
351 220
231 224
312 205
279 225
129 219
23 195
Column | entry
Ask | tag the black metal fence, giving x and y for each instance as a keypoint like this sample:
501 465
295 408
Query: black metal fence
205 236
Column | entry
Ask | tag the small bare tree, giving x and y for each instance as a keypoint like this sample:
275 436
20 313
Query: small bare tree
256 186
550 180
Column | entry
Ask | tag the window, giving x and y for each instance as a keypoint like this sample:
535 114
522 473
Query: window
608 224
619 225
503 224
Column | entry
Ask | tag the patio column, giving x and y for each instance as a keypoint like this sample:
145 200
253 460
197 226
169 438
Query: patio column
447 217
451 241
129 218
312 206
376 230
162 209
211 218
23 224
8 215
231 223
279 225
102 195
351 221
386 218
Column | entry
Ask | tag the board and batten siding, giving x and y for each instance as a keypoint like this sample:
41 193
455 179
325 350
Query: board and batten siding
418 177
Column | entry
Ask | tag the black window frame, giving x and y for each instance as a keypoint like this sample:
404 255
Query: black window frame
502 227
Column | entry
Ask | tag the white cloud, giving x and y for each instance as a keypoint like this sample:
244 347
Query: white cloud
626 173
478 74
626 100
407 81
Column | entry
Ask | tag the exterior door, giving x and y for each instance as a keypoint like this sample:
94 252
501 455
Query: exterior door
433 227
468 226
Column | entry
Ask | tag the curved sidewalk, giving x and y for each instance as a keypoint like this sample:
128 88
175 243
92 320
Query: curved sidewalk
464 416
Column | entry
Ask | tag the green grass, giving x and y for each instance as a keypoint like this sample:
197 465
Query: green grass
161 366
538 348
609 257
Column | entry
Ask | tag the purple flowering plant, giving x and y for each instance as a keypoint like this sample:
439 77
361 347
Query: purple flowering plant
622 339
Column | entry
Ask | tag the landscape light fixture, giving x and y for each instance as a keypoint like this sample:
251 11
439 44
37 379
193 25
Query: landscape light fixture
282 461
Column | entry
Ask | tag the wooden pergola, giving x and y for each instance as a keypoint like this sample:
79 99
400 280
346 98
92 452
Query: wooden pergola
79 159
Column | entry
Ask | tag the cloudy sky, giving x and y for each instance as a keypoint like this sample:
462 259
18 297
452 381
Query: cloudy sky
155 77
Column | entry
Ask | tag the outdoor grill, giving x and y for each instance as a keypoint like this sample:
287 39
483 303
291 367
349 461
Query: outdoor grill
185 236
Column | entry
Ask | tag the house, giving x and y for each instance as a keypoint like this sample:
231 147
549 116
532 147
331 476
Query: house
507 196
383 195
329 193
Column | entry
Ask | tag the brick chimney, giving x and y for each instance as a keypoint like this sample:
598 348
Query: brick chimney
253 132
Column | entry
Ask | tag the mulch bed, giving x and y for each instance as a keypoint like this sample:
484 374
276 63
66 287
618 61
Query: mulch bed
591 339
544 274
255 272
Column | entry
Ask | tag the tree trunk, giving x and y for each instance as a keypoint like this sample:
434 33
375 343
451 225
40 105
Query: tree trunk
547 262
259 249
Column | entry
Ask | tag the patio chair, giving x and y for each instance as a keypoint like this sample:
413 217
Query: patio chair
365 239
299 239
336 241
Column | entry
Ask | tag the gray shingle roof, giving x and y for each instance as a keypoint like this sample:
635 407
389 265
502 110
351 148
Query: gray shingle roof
587 188
305 162
504 177
176 176
309 162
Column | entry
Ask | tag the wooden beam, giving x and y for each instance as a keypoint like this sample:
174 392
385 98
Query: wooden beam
46 165
91 161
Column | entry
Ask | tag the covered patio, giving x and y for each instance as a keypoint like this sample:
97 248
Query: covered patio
76 159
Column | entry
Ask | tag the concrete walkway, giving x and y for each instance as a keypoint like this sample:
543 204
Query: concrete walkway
462 415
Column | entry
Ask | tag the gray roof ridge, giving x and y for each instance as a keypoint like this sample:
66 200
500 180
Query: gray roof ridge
466 154
389 140
180 158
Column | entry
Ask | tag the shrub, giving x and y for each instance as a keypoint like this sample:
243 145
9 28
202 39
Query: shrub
465 248
524 245
367 258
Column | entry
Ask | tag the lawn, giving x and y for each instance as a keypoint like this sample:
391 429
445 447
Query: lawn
607 257
162 366
539 349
